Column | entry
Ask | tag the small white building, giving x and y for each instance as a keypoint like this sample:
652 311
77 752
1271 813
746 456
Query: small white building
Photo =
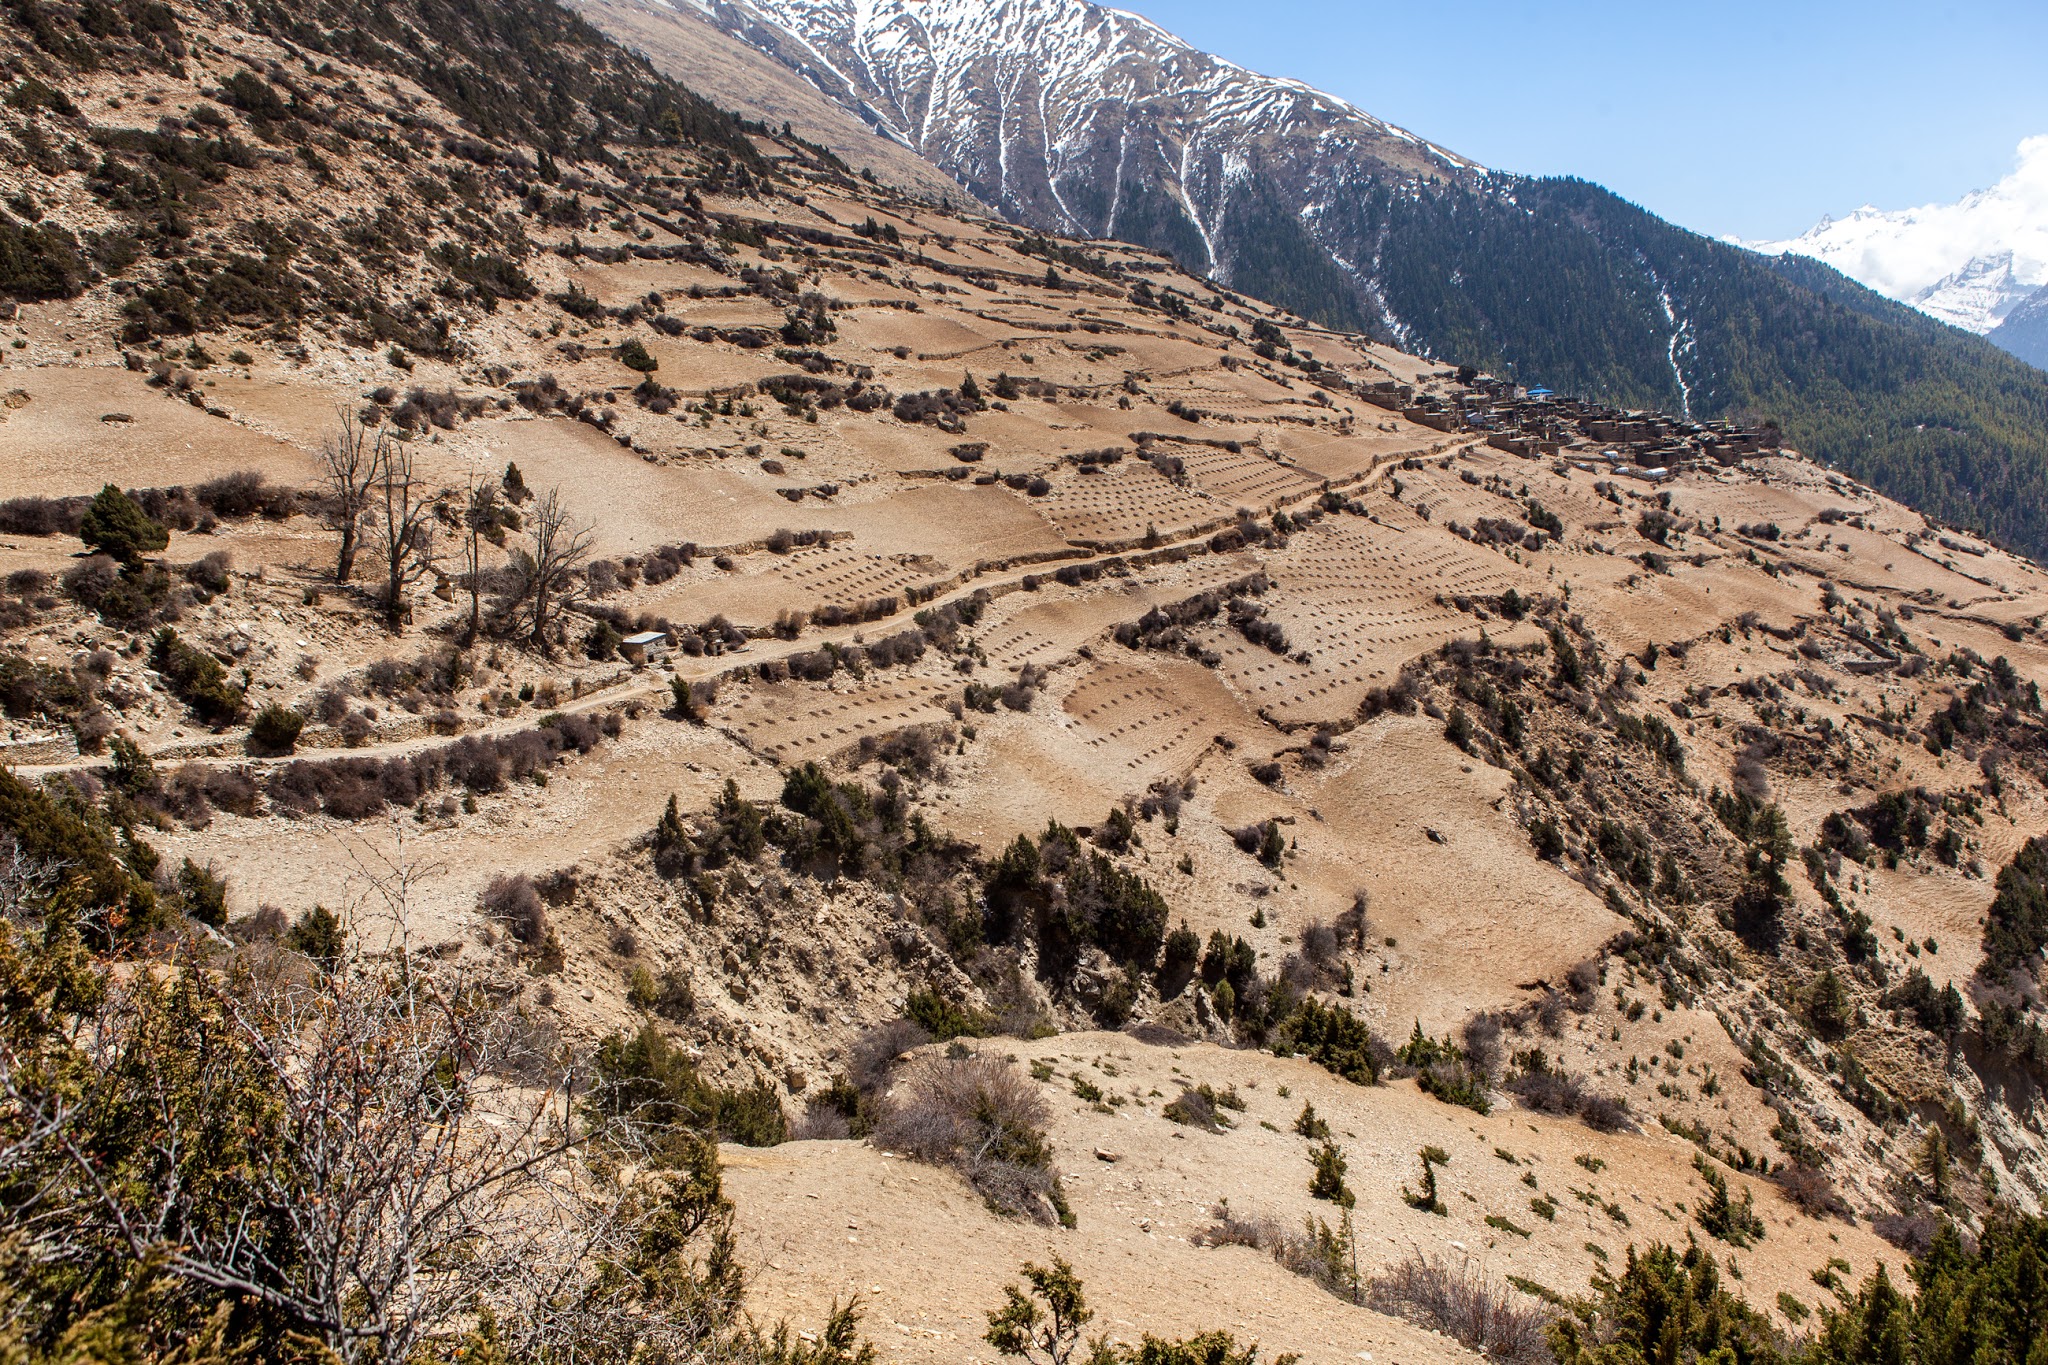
649 646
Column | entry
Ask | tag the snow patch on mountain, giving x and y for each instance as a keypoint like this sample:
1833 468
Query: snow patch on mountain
1029 101
1969 263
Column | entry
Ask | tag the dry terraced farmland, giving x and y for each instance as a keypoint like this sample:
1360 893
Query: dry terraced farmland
1509 796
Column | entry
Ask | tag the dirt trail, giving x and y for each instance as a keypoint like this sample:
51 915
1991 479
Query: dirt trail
698 669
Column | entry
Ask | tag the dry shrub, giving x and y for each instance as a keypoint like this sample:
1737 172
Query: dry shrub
1481 1038
1751 776
92 727
91 579
42 516
210 572
354 788
1194 1109
185 796
1157 1035
1912 1233
1315 1251
245 494
981 1115
1354 926
1555 1092
1605 1115
559 887
1548 1092
1261 1231
1319 943
267 925
875 1052
821 1122
1583 981
330 703
514 902
1812 1192
1463 1303
353 796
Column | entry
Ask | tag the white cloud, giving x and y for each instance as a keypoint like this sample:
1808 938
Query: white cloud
1967 262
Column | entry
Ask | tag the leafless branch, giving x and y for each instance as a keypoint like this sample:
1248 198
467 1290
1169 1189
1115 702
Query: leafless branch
401 525
348 468
559 549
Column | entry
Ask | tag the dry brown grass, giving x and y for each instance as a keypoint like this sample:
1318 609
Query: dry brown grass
1813 1192
981 1115
1462 1302
1314 1251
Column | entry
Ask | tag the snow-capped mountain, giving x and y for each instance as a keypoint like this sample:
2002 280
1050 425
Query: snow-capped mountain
2025 330
1969 263
1071 117
1078 118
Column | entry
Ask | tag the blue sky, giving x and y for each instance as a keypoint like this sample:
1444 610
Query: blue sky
1727 116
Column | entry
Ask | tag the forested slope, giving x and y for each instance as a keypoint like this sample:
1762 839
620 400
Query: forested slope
1561 283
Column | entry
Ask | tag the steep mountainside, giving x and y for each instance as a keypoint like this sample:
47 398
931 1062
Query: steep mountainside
1093 122
736 75
1079 119
611 732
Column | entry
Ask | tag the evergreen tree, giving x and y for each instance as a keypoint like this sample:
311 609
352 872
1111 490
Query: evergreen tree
116 525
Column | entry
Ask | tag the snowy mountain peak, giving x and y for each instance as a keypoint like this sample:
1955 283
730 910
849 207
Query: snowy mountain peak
1969 263
1032 104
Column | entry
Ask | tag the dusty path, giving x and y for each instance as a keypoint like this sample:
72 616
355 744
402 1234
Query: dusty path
655 687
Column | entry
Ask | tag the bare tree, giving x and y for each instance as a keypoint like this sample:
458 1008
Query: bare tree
559 549
401 525
480 518
370 1159
348 467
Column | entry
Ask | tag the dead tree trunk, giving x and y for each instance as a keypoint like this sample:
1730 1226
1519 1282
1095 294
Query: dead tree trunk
348 467
559 549
402 526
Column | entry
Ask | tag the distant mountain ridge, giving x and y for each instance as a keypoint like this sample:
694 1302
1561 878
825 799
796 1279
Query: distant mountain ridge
1082 119
1969 263
2025 330
1079 119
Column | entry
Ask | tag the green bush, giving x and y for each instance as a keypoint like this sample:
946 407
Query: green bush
1075 896
196 678
1442 1069
603 641
1045 1326
276 729
116 525
2016 928
634 355
133 771
1735 1223
205 894
1982 1301
1333 1038
942 1018
1310 1124
1426 1197
72 835
1327 1180
1179 956
29 689
652 1083
318 934
39 260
